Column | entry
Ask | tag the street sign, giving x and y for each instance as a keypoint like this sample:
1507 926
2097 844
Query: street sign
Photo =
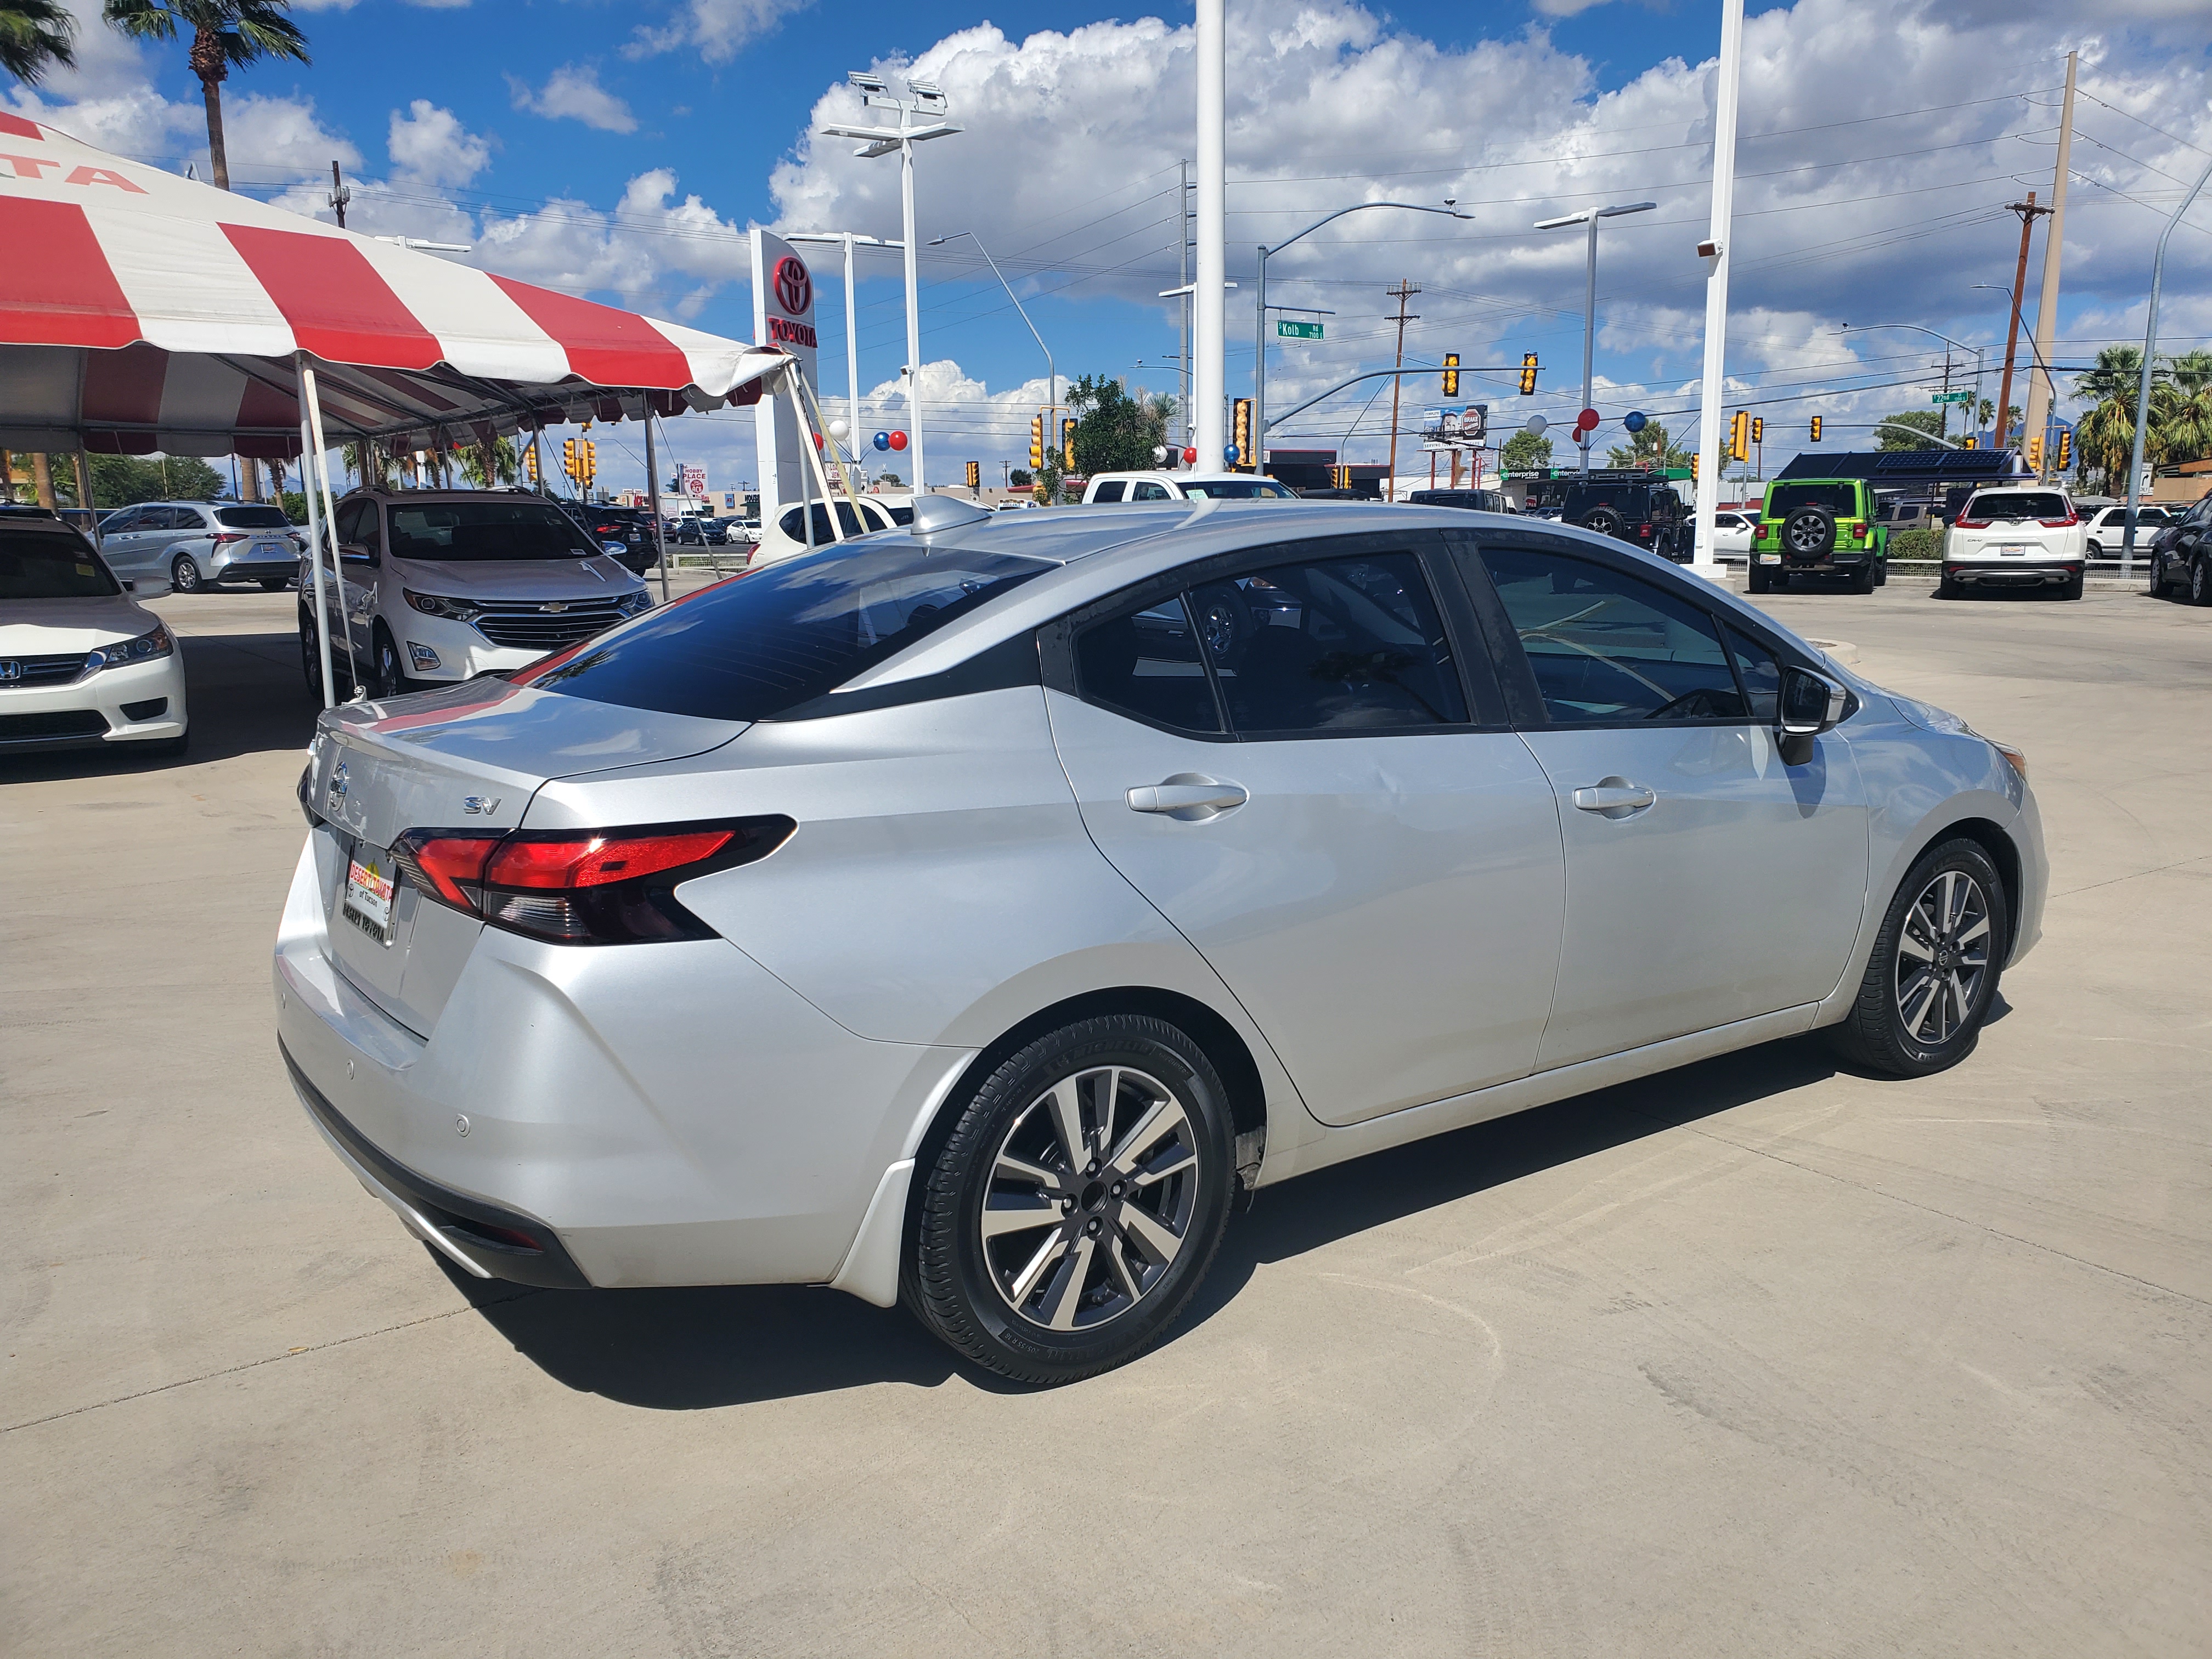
1289 328
1963 395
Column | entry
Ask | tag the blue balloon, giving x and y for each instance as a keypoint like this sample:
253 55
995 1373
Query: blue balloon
1229 453
1636 420
883 441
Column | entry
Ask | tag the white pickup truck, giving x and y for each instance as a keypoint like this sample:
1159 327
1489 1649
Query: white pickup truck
1183 486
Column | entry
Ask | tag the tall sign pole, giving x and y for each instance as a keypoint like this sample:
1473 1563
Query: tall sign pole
2040 392
2028 214
1715 250
1208 381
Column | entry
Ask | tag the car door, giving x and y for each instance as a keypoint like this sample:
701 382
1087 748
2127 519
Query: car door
1707 882
1280 752
123 543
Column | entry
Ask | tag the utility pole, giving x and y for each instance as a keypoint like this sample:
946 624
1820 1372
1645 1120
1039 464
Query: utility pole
1208 385
2029 212
1403 292
339 194
2041 393
1182 276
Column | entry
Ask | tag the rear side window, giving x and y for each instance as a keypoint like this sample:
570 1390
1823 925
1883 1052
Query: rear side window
760 644
1609 649
251 518
1109 492
1146 490
794 526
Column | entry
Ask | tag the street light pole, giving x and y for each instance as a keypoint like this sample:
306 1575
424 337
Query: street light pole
849 240
1727 89
1259 315
1589 302
2142 386
1961 345
1051 376
1208 383
927 99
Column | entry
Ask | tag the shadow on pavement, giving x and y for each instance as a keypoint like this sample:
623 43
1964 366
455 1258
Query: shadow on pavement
681 1350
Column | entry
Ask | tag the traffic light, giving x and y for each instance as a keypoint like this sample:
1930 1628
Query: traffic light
1528 374
1972 443
568 456
1240 430
2065 449
975 475
2035 453
1694 459
1739 435
1816 428
1758 429
530 462
1036 443
1451 374
1339 477
591 462
1067 441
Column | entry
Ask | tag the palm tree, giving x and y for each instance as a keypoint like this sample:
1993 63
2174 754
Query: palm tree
34 36
505 468
2190 373
226 35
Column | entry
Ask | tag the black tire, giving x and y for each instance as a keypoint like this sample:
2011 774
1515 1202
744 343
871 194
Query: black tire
1757 580
386 677
1882 571
1948 589
184 575
1878 1035
2200 581
1863 578
2158 583
275 584
2073 588
311 656
958 1289
1605 522
1809 532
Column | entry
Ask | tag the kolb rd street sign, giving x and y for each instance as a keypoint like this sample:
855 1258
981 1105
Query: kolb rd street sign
1288 328
1964 395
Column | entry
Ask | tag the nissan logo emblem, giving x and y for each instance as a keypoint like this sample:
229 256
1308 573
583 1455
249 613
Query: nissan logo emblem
794 288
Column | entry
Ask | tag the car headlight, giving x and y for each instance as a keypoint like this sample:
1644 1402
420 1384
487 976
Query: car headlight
436 605
633 604
144 648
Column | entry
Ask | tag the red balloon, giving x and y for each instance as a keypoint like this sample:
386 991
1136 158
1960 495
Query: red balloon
817 441
1190 458
898 440
1587 419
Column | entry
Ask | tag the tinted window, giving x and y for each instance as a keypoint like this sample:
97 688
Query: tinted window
1146 490
1335 645
1237 489
2017 504
1109 492
51 566
1760 671
131 518
1147 663
761 644
847 520
1840 499
485 531
251 518
1609 649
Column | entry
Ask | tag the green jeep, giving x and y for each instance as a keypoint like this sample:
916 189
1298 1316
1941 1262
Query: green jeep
1818 527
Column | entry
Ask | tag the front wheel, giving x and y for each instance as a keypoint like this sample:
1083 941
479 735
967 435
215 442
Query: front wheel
387 677
1077 1202
184 575
311 657
2200 581
1933 972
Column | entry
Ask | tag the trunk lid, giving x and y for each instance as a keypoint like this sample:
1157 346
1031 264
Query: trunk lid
466 759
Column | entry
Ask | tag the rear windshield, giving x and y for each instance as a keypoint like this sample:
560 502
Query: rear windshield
251 518
761 644
461 531
2016 504
1238 489
51 566
1840 499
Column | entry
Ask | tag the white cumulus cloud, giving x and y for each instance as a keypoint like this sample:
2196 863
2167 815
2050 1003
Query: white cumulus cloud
573 93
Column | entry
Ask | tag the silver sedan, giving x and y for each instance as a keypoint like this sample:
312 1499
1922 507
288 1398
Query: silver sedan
967 913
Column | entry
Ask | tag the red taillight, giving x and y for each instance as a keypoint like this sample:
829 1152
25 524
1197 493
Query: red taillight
222 536
2066 523
595 860
1860 532
1962 522
592 887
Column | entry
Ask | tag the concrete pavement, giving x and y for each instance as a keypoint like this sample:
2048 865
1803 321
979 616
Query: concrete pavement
1759 1358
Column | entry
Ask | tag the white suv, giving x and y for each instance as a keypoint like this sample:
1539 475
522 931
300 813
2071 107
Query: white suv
443 586
2021 536
1183 486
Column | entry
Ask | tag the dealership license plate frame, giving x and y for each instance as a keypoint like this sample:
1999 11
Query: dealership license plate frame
369 892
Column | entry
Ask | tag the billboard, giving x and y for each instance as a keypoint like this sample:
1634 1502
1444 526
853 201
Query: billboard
783 315
694 483
1457 425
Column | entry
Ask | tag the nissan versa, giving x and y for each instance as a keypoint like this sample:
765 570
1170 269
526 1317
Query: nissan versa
964 914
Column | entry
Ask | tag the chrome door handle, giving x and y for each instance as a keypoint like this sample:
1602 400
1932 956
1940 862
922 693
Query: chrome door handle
1614 797
1188 798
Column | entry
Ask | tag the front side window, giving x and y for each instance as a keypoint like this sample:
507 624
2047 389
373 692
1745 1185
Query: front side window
1110 491
117 524
51 567
762 644
1146 490
485 531
1611 650
1147 663
1330 645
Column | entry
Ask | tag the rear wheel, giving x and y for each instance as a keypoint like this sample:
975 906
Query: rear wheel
1948 589
2073 588
1863 579
311 657
2200 581
1759 581
275 584
184 575
1077 1202
1933 972
1882 571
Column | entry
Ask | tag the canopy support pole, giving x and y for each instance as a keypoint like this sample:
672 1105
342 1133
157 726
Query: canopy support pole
315 522
84 497
803 396
312 426
652 495
845 473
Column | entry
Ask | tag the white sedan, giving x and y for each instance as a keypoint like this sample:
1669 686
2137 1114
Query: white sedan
82 664
1732 534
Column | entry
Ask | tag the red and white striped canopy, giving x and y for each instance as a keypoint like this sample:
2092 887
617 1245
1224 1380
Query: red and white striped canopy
140 311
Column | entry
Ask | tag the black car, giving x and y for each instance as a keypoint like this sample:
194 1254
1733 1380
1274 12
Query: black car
1649 516
1474 501
632 527
2181 555
700 531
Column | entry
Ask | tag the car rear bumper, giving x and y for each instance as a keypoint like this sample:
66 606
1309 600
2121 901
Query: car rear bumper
666 1114
2011 573
1827 564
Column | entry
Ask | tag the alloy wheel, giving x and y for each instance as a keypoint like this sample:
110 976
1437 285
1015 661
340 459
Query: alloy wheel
1090 1198
1942 957
184 576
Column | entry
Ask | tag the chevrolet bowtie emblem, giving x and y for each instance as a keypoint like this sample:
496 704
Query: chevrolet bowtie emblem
555 605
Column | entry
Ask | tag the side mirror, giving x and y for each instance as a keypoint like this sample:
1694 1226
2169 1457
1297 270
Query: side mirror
130 587
1810 704
354 555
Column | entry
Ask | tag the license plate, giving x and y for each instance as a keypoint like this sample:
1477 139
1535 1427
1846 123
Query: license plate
1770 558
2013 550
368 888
269 550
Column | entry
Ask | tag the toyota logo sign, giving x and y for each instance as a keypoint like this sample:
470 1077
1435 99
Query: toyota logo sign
794 288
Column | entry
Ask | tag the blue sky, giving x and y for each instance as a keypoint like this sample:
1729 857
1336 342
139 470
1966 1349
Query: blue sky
622 149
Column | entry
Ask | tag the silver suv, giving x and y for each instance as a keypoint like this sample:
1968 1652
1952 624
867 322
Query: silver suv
195 544
444 586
